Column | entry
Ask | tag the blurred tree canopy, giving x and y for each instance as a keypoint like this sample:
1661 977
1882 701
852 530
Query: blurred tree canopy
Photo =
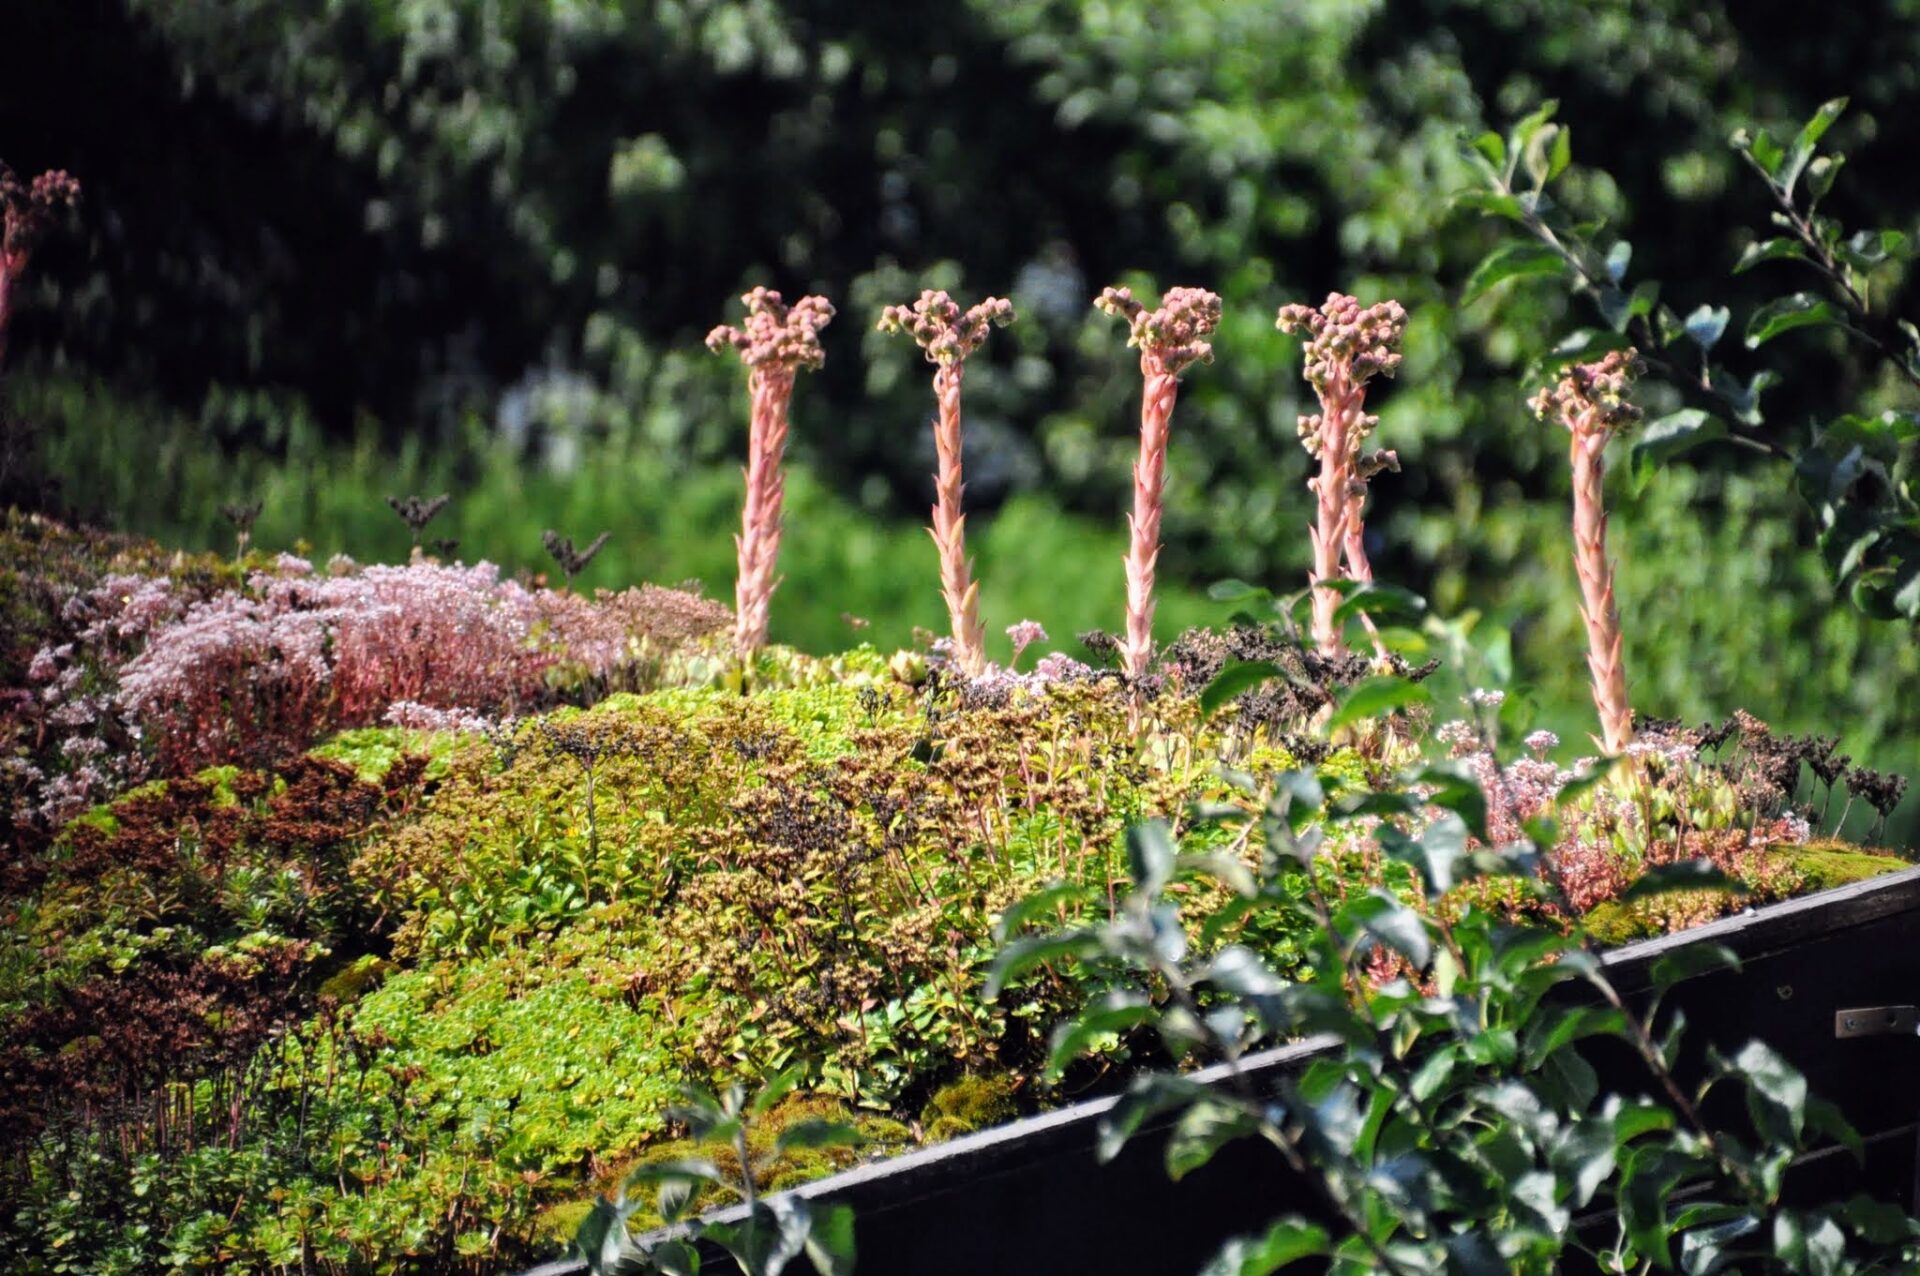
406 212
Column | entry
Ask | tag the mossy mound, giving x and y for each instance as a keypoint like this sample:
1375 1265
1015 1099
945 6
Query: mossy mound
1816 866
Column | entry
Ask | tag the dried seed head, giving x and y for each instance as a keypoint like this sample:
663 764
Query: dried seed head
937 324
1174 336
775 333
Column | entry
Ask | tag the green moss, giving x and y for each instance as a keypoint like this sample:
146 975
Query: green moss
1825 865
350 984
1817 866
969 1104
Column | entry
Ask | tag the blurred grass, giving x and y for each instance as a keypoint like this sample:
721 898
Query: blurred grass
1726 605
146 472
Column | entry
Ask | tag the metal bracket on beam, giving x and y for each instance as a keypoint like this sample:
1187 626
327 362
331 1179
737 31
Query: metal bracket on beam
1877 1021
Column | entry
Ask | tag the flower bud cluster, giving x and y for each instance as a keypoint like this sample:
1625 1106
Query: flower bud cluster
27 209
775 333
937 324
1592 397
1175 335
1347 345
1343 334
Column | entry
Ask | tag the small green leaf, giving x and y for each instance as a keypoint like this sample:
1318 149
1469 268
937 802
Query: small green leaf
1150 855
1492 147
830 1240
1206 1126
1024 954
1795 160
1670 436
1707 324
817 1132
1689 961
1286 1241
1231 591
1383 916
1512 261
1235 680
1376 697
1784 314
1777 249
1112 1012
1619 257
1686 875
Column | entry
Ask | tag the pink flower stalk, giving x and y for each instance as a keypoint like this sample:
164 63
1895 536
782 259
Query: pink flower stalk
1170 340
1590 401
25 212
948 337
776 343
1347 346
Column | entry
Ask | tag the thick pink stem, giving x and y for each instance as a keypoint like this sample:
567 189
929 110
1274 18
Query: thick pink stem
1149 501
1604 658
1340 405
770 388
961 591
1358 566
10 265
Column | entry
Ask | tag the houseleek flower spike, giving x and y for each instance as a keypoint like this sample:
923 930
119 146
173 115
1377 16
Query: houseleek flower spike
1347 345
26 211
1170 340
776 341
1590 400
948 336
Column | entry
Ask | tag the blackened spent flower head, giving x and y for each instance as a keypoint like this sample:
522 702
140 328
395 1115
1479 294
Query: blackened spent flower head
572 561
937 324
416 512
1591 398
1175 335
242 515
776 333
1344 334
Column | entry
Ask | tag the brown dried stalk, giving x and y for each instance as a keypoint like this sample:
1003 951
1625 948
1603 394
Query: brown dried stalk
948 337
1347 346
1590 401
1170 340
776 343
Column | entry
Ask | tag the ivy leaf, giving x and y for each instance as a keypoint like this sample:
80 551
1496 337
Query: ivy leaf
1784 314
1662 440
1516 260
1376 697
1686 875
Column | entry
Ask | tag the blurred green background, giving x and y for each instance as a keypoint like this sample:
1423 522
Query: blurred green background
335 251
